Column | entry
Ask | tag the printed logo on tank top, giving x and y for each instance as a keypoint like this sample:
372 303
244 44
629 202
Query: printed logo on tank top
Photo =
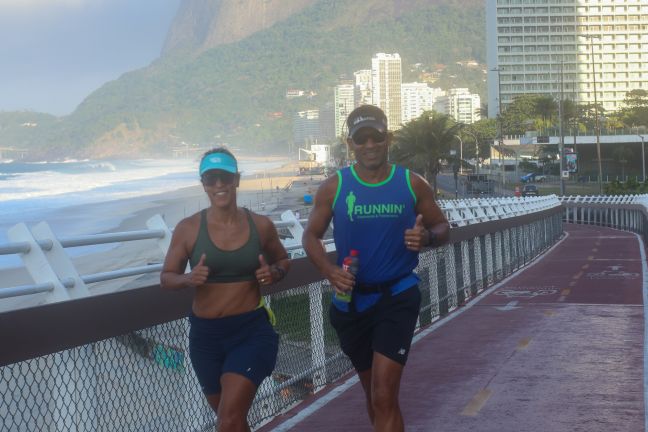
356 210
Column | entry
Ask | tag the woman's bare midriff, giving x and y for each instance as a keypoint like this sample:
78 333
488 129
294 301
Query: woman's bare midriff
218 300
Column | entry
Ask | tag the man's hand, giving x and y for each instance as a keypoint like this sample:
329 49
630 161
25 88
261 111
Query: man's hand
416 238
342 281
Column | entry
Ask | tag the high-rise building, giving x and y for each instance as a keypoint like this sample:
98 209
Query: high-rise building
462 105
344 101
418 97
327 123
386 79
535 45
363 87
306 127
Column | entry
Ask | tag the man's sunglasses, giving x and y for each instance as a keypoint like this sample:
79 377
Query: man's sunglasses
211 178
361 137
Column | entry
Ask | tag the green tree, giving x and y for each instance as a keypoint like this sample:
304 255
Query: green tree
424 142
485 132
546 107
588 115
519 115
635 112
547 157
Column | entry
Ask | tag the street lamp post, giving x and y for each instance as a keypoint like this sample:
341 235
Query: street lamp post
643 159
561 143
499 122
460 154
476 150
596 115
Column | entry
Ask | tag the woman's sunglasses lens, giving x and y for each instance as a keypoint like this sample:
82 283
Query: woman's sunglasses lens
212 178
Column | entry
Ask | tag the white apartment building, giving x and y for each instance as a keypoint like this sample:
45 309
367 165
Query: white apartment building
462 105
363 93
535 45
386 79
416 98
344 102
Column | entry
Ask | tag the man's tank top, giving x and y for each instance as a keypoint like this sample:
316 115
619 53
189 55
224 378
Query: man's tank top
372 218
224 265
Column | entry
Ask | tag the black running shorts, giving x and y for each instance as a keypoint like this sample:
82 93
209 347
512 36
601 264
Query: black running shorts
386 328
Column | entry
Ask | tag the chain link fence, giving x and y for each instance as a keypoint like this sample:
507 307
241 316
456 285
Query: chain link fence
143 381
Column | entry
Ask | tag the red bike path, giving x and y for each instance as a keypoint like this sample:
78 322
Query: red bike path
559 346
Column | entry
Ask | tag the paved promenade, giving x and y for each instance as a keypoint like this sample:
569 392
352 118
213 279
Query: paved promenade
558 347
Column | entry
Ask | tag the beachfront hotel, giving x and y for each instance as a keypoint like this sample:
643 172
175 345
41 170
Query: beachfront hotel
344 102
461 105
534 46
386 80
418 97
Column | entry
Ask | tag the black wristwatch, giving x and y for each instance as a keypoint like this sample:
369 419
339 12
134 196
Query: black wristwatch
431 237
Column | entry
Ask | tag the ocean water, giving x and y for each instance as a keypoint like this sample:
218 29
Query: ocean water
46 191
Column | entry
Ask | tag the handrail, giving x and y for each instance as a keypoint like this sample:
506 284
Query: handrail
146 305
97 239
459 212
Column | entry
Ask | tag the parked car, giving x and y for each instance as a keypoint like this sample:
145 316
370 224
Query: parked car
533 177
530 190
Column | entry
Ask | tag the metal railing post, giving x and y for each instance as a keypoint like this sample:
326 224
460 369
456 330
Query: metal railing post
36 263
318 353
295 227
465 260
60 261
451 280
157 223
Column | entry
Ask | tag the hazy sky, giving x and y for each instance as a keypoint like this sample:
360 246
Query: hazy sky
54 53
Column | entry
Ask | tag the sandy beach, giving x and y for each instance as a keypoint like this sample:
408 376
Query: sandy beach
269 193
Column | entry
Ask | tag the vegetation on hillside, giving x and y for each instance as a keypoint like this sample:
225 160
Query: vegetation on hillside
235 93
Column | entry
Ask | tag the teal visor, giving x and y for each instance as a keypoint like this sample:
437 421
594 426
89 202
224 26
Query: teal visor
219 161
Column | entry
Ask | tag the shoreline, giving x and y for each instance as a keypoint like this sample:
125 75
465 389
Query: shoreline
279 189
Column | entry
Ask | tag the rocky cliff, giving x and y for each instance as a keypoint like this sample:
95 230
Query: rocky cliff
204 24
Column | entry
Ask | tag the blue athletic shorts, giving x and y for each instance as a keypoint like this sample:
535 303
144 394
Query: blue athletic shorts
386 328
244 344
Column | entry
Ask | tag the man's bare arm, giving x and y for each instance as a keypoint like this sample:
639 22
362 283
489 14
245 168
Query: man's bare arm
318 222
432 227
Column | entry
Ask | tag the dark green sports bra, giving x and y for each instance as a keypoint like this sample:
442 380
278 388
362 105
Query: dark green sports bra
227 266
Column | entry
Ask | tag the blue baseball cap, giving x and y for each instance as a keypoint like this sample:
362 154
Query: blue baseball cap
219 161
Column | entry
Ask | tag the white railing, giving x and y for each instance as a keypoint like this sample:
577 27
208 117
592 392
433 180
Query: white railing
475 210
616 211
53 272
605 199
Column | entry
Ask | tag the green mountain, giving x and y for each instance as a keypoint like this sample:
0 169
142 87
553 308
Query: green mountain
235 92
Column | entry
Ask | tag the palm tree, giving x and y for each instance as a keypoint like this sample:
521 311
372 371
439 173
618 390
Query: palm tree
545 106
422 143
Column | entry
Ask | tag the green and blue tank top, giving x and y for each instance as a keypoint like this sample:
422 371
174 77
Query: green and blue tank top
227 265
372 218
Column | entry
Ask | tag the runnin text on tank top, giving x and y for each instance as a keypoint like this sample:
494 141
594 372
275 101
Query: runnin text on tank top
372 218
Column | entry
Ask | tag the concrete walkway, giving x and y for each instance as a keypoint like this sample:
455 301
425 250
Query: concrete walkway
558 347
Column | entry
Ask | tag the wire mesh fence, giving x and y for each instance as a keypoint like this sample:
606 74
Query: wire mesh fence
143 380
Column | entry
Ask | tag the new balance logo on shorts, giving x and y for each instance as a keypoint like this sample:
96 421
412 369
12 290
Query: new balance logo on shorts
402 351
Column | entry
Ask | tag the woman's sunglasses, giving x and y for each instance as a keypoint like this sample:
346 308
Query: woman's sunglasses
211 178
361 137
